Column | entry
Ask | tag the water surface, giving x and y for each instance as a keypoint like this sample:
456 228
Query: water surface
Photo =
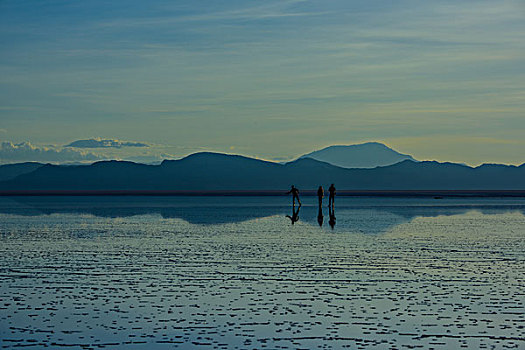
233 272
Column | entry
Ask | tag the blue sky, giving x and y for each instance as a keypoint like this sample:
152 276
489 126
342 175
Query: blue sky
438 80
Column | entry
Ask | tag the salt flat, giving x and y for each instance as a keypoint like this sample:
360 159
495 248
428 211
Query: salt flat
216 272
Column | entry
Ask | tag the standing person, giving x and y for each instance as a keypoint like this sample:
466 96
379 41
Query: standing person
320 195
331 198
295 193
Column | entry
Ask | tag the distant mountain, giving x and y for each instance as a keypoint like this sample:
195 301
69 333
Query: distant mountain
214 171
365 155
10 171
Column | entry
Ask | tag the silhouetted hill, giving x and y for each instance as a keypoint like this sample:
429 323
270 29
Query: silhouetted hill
10 171
216 172
365 155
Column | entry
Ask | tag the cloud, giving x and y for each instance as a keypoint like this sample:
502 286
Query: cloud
25 151
278 9
105 143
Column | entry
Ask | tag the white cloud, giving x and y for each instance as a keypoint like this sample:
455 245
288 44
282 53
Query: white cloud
25 151
105 143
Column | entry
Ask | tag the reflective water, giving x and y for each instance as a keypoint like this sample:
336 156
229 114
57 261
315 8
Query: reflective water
234 272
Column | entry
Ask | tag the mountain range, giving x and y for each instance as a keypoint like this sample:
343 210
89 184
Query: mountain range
221 172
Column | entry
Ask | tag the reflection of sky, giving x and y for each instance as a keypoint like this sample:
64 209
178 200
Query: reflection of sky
361 215
71 279
440 80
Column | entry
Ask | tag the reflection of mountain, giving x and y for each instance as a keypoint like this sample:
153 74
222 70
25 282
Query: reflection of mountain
194 212
374 220
365 155
369 219
212 171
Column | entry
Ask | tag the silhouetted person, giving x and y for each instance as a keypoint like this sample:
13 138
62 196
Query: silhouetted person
320 195
331 212
295 214
331 197
295 193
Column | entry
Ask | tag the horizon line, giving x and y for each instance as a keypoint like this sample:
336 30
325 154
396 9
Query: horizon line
436 194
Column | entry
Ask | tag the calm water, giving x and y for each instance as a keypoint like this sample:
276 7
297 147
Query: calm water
224 272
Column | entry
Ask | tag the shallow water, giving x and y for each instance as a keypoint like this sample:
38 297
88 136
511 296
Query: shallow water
233 272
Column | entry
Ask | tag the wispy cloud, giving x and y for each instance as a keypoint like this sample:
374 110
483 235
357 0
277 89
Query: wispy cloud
276 9
105 143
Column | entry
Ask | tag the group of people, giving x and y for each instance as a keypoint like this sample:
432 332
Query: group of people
320 195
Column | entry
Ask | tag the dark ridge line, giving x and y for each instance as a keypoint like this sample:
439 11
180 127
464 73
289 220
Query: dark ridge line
257 193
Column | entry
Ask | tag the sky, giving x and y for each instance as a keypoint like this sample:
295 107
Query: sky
148 80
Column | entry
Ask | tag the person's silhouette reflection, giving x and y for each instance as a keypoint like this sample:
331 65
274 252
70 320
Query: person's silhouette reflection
331 212
320 216
295 214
